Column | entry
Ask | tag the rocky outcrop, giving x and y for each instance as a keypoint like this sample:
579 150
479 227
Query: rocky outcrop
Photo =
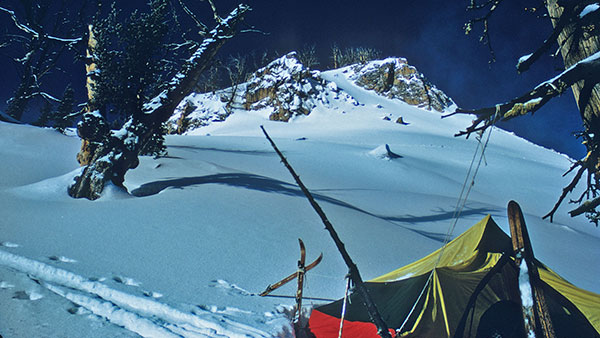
285 89
198 110
286 86
396 79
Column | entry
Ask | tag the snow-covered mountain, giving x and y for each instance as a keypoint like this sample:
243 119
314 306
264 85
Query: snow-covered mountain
204 229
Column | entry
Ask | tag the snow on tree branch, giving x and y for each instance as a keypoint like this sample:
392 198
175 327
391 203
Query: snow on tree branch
33 32
587 70
18 24
573 14
203 28
195 64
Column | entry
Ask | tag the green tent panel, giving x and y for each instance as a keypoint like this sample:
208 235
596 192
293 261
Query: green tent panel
469 288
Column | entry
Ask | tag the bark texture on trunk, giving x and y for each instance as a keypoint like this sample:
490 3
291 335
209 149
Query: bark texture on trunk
117 151
572 51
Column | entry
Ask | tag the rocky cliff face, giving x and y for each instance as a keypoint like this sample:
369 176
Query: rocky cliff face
286 86
396 79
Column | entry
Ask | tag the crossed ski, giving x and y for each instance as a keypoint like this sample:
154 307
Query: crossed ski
298 274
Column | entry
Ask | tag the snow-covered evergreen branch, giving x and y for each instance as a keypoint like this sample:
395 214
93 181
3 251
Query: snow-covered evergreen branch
118 151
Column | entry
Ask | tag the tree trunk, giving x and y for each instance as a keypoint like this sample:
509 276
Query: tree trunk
573 51
118 151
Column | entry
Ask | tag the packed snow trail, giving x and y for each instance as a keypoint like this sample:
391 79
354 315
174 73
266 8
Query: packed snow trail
146 317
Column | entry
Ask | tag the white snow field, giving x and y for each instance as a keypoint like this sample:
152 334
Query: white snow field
204 229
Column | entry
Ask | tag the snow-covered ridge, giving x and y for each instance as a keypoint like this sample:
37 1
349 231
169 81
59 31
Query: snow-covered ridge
285 90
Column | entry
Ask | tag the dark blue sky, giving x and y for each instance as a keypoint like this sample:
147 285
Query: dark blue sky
429 34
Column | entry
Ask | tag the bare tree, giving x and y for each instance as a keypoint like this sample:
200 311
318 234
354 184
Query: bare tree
336 53
307 55
576 31
237 71
43 31
352 55
118 151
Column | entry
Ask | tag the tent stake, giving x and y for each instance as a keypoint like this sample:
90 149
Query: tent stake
541 323
382 328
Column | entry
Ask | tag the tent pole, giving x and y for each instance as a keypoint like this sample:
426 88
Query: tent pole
460 329
541 323
382 328
343 315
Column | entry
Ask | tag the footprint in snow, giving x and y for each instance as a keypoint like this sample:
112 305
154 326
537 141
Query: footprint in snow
9 245
126 281
62 259
153 294
229 288
6 285
28 295
78 310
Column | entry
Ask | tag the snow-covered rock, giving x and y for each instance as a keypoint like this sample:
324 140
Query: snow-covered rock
285 89
396 79
282 90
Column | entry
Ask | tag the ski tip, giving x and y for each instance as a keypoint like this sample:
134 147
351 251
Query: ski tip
513 205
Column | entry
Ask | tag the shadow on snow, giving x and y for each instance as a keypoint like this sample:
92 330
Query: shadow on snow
270 185
235 151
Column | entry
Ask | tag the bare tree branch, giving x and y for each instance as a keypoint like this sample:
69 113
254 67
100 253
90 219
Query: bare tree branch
214 10
485 35
587 69
587 206
568 189
35 33
570 16
203 28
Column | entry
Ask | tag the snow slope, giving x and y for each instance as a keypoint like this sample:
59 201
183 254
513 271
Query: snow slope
204 229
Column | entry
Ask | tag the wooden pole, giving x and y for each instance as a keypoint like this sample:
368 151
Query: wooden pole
382 328
536 319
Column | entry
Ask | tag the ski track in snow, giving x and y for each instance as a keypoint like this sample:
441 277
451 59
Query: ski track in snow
146 317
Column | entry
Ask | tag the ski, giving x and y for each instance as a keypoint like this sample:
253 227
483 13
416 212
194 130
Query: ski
536 316
290 278
300 273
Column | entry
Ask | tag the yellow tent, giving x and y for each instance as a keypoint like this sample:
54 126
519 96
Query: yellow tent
469 288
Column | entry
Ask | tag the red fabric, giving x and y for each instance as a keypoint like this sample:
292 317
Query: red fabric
325 326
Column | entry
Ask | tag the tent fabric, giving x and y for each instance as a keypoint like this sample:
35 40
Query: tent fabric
448 278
